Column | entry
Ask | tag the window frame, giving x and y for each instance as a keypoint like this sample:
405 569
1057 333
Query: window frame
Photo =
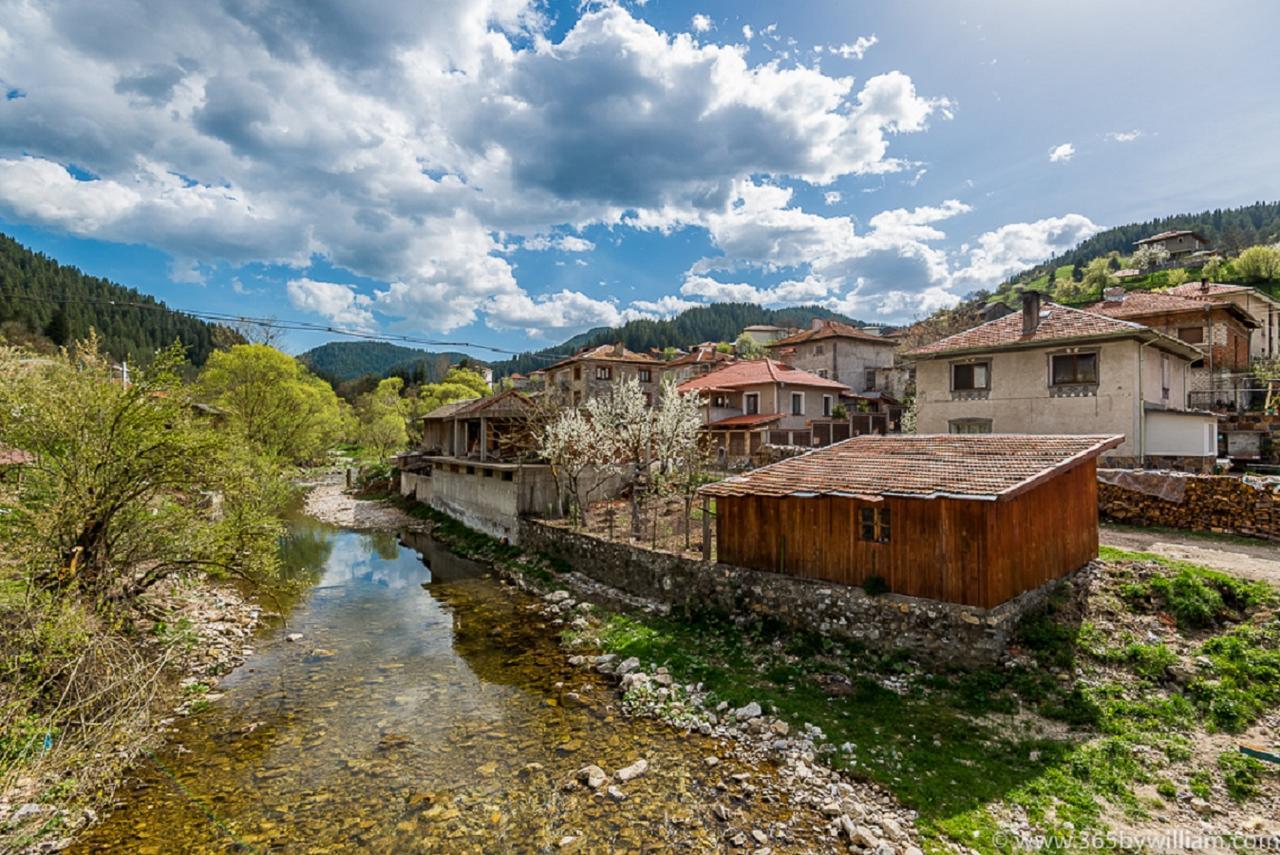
1074 355
646 375
956 426
794 397
875 524
828 406
869 379
1199 335
604 372
985 363
751 403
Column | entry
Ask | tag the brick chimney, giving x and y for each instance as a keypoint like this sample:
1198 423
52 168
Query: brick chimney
1204 284
817 324
1030 311
618 349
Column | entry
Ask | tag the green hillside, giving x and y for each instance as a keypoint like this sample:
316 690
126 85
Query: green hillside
716 322
43 302
340 361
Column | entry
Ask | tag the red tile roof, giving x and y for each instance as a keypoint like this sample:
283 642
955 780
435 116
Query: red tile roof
1057 323
831 329
1197 291
1146 304
745 420
1171 234
608 352
989 467
755 372
702 355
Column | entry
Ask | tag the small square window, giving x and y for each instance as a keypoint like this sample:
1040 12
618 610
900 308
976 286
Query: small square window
1191 335
971 376
1074 369
645 375
817 350
603 372
876 525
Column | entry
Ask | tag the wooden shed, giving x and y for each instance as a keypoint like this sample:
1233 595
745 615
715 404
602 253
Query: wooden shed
970 518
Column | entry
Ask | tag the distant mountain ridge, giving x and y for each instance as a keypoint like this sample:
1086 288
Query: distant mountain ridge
42 298
340 361
714 322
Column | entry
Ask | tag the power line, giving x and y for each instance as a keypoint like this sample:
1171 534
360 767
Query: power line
282 324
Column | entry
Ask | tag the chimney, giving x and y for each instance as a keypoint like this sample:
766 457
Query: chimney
1113 295
618 349
817 324
1204 284
1030 311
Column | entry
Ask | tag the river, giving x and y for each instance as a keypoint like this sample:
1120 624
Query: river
426 708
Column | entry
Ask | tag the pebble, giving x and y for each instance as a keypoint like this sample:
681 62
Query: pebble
750 711
635 770
293 636
616 794
593 776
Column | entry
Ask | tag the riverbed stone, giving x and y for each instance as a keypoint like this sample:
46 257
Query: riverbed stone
750 711
635 770
593 776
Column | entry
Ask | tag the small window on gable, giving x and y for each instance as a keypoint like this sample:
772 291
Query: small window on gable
971 376
876 525
797 403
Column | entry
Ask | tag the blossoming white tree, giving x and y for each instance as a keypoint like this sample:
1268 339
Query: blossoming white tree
576 451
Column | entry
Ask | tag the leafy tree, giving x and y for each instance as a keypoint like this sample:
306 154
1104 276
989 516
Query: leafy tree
1176 277
1213 269
119 496
748 348
1077 271
1098 276
624 416
1258 264
575 447
58 330
382 416
1113 260
282 410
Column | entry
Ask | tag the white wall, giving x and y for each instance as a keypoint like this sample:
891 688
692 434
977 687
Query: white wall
1181 434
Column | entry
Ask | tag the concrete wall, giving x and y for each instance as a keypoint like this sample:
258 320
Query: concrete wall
935 632
1020 401
844 360
1181 434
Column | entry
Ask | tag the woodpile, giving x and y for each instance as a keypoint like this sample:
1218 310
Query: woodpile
1215 503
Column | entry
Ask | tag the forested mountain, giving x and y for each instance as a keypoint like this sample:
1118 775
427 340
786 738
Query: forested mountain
1228 230
42 299
716 322
339 361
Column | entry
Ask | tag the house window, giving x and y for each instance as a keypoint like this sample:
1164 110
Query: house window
826 406
1074 369
817 350
751 403
720 401
603 372
876 525
869 379
645 376
1191 335
969 426
797 403
971 376
1166 371
577 372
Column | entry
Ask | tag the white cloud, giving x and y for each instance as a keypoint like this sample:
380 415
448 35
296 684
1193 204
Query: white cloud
831 197
701 23
412 150
333 300
1014 247
560 312
1062 153
1123 136
855 49
747 32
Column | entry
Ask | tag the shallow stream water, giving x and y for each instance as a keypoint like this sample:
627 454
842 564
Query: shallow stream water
412 718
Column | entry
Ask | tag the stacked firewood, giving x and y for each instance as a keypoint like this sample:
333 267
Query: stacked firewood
1215 503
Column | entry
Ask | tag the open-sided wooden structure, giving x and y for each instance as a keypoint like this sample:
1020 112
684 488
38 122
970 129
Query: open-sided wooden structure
973 519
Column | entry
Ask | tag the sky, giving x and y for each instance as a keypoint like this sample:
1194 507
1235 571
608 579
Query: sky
508 173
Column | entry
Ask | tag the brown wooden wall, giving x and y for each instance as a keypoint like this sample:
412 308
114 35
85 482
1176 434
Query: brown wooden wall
979 553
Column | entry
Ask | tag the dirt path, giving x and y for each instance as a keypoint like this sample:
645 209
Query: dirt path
1249 560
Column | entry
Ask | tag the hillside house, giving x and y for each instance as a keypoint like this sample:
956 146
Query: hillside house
976 520
759 402
763 334
1056 370
1177 243
1265 341
594 370
838 352
701 359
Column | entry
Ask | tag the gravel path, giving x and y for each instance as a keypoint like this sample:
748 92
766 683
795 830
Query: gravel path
1259 561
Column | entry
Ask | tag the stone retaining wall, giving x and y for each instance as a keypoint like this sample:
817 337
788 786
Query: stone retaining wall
934 632
1215 503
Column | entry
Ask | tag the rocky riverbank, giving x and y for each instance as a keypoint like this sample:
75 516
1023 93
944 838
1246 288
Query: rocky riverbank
189 633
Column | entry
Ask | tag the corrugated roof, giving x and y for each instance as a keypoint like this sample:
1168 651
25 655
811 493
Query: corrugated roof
976 466
754 372
831 329
1057 324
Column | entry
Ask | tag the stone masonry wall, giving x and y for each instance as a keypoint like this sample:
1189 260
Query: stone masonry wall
1216 503
934 632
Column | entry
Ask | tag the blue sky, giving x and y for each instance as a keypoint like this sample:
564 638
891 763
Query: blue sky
510 173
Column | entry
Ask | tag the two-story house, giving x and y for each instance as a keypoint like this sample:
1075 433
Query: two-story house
1051 369
761 401
593 371
701 359
1265 341
836 351
1177 243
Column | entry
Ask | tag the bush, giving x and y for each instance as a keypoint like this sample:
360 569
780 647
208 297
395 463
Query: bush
875 586
1191 600
1258 264
1240 774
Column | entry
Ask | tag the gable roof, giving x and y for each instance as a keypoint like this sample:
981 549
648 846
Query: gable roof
1135 305
1209 290
755 372
1171 234
702 355
831 329
1058 324
990 467
609 352
512 402
447 411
